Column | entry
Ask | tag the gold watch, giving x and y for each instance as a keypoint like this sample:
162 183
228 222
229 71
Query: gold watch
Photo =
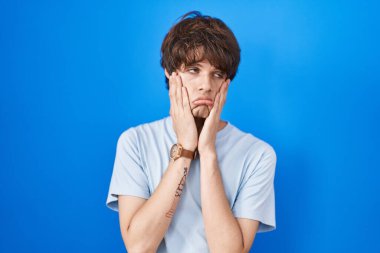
178 151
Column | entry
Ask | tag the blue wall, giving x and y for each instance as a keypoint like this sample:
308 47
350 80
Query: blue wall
75 74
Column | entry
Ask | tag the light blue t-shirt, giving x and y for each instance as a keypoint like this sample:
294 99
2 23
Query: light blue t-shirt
247 166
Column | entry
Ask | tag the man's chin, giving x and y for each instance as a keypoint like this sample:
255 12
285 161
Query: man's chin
201 111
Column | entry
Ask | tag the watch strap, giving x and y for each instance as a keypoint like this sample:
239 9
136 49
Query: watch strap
189 154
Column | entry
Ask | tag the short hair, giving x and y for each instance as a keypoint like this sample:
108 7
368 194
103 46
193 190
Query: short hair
197 37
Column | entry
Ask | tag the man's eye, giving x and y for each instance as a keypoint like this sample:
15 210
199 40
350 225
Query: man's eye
192 70
219 75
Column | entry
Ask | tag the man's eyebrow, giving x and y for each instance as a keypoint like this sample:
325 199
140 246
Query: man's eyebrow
197 64
194 64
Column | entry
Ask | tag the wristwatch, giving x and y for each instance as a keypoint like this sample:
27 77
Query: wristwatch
178 151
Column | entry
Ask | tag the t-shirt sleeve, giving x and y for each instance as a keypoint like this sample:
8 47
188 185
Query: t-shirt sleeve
128 176
256 199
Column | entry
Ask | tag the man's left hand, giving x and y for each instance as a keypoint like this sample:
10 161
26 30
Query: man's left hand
206 142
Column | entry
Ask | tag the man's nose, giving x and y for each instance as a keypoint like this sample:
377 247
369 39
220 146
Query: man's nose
205 83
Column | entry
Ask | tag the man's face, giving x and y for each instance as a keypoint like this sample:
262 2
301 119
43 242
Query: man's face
203 82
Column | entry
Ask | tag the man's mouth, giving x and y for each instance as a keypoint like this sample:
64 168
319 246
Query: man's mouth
203 101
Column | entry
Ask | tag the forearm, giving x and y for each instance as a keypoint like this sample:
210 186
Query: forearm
222 230
151 222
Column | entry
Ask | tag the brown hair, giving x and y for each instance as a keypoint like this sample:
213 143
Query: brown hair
197 37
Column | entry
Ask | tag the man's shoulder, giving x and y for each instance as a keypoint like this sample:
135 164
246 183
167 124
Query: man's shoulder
152 125
145 128
250 140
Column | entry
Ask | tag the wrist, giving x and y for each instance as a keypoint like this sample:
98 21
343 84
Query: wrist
178 150
209 152
188 146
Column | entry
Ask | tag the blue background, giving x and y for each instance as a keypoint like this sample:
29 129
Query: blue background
75 74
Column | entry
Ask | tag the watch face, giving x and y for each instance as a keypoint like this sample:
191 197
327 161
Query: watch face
174 152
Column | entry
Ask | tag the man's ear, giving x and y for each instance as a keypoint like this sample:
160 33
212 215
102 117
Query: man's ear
167 74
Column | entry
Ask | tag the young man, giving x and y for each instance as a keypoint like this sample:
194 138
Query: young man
229 174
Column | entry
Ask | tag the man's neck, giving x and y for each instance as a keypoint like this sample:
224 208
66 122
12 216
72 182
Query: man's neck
199 122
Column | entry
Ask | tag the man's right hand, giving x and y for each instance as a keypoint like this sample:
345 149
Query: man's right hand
180 111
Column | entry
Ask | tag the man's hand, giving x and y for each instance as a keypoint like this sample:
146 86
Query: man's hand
208 135
180 111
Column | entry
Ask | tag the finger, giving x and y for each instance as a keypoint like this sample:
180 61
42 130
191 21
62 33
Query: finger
184 94
186 103
215 109
224 94
179 80
178 92
172 95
